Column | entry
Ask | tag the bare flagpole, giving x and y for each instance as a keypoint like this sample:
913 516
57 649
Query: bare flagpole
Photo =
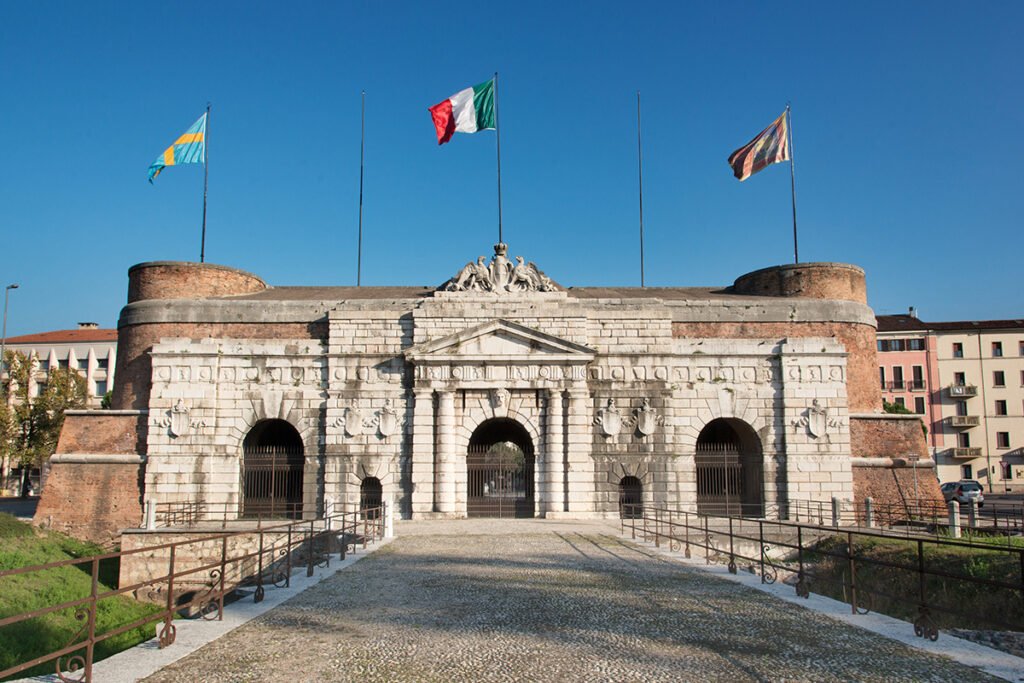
792 180
640 172
497 135
362 147
206 178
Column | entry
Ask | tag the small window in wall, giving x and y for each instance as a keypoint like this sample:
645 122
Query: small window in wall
1021 350
915 344
919 405
44 365
1000 407
997 349
961 408
1002 439
1006 470
966 472
999 378
958 350
959 379
101 363
900 401
62 363
963 440
83 364
881 377
101 388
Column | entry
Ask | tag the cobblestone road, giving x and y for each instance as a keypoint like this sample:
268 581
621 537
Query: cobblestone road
546 603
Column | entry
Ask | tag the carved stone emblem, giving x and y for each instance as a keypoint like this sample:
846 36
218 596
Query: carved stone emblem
499 398
179 421
816 420
500 276
387 419
354 421
609 419
647 419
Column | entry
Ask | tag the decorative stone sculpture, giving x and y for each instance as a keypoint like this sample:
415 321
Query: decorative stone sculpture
499 398
387 419
816 420
179 421
500 276
354 421
609 419
647 418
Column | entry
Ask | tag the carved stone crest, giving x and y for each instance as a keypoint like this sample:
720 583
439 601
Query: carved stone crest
816 420
609 419
647 418
387 419
179 421
354 421
500 276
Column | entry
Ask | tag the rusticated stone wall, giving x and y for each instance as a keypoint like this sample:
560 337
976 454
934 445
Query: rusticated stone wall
135 369
862 388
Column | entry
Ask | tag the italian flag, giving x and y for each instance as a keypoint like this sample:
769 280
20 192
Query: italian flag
467 111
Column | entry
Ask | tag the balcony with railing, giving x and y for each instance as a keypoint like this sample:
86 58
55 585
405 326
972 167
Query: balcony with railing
966 452
964 421
916 385
963 390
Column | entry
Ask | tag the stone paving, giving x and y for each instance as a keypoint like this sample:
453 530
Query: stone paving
535 601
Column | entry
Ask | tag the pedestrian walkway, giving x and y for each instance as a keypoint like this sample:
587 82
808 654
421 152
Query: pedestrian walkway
545 601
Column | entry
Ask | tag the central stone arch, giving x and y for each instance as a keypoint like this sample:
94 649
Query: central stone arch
500 463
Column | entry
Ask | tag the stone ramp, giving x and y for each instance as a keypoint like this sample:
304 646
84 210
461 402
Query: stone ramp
488 600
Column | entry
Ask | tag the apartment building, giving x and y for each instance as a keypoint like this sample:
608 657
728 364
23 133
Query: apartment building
966 380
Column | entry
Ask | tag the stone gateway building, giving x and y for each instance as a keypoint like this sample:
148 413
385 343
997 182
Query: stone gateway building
499 393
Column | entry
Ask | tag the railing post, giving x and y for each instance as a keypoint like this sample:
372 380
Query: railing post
258 595
167 633
972 515
288 558
389 519
801 579
90 647
760 542
309 550
223 570
835 511
954 519
852 564
657 527
671 530
869 512
707 542
632 522
732 555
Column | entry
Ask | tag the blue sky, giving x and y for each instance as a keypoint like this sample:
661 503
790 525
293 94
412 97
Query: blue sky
906 122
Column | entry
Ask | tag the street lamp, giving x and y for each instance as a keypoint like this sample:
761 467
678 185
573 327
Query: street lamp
3 341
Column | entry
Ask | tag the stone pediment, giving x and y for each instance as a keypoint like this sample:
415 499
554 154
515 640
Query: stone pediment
500 340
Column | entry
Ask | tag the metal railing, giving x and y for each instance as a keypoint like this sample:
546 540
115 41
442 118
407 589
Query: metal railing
199 573
910 580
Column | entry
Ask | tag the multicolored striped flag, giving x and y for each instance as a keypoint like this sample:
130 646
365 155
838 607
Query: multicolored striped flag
467 111
189 148
769 147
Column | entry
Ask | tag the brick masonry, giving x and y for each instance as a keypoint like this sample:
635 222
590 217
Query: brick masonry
899 438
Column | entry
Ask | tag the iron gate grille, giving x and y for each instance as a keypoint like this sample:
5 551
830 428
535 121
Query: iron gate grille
728 483
371 497
273 482
499 483
631 497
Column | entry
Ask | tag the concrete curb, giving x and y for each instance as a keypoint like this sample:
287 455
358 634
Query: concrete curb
991 661
147 658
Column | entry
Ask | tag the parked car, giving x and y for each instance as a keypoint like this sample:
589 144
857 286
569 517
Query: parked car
964 491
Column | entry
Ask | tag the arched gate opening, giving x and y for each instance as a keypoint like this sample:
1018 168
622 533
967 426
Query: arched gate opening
631 497
730 477
499 470
272 467
371 497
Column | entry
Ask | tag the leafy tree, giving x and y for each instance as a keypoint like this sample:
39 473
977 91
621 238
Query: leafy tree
30 426
896 408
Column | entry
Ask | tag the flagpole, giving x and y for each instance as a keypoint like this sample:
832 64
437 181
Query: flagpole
640 173
362 147
206 179
792 181
497 135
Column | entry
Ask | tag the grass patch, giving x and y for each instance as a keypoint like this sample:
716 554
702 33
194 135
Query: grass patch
888 581
22 545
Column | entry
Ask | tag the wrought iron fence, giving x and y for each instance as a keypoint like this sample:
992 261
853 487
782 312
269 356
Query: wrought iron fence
195 577
911 578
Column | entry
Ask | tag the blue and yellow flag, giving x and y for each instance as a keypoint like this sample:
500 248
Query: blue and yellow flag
189 148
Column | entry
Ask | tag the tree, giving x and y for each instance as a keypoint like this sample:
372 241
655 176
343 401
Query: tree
896 408
30 426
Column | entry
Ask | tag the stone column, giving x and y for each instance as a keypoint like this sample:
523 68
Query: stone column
445 467
554 457
423 452
580 465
